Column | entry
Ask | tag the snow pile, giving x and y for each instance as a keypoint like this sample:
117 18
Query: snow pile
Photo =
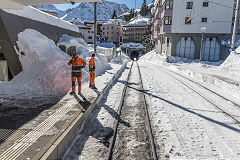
85 52
44 68
156 58
37 15
232 63
153 57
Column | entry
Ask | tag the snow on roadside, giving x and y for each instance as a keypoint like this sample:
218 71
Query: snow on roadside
228 68
232 64
85 52
37 15
223 75
45 70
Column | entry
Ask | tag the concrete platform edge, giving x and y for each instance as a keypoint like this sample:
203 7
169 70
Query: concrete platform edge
64 141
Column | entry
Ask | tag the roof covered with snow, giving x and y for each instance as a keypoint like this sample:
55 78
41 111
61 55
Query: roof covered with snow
37 15
135 25
19 4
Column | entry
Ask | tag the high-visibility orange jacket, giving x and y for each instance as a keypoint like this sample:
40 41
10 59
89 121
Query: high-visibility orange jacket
91 64
77 64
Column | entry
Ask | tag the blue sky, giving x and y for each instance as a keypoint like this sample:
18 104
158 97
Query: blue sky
129 3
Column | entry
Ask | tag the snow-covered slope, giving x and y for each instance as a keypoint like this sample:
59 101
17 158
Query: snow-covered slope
48 8
52 8
85 11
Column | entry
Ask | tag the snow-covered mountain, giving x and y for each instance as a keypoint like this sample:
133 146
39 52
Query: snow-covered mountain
48 8
52 8
85 11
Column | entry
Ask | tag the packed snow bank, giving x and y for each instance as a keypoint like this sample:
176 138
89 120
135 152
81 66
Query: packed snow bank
156 58
85 52
44 68
232 63
153 57
224 75
37 15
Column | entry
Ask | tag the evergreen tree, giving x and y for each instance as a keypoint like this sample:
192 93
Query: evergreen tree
144 8
129 16
147 41
114 16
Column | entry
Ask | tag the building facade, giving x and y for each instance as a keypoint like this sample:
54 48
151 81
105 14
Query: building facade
177 27
133 32
112 30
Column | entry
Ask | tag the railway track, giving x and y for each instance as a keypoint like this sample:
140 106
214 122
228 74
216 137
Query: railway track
203 96
125 112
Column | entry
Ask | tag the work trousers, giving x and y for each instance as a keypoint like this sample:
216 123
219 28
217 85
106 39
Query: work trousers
74 79
92 77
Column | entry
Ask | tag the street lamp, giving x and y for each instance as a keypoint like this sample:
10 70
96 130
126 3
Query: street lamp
203 29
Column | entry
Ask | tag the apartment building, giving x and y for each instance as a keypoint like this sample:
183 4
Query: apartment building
177 27
112 30
134 32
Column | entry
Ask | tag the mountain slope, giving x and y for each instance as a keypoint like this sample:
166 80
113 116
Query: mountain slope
85 11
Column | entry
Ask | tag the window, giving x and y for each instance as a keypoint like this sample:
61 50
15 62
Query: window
90 37
117 33
112 27
169 4
188 20
205 4
103 33
88 31
107 28
189 5
168 20
103 28
204 20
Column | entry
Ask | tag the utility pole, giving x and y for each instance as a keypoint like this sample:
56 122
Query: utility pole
95 27
235 26
133 24
203 29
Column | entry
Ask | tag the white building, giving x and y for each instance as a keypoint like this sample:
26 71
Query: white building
176 27
112 30
86 29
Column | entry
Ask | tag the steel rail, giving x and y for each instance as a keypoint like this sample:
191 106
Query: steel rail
110 151
151 137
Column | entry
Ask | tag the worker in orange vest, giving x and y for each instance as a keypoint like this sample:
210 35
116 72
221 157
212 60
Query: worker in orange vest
92 72
77 64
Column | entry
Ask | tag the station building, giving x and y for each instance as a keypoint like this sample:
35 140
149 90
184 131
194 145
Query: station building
178 25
